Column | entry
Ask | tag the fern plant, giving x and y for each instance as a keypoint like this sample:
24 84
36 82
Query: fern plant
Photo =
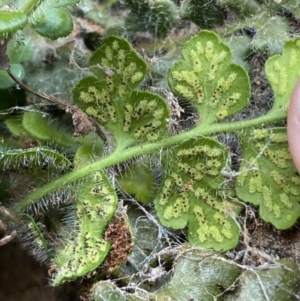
77 179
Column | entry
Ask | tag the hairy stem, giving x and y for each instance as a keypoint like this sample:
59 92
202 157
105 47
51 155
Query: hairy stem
123 155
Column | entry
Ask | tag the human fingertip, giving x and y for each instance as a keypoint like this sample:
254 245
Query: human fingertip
293 126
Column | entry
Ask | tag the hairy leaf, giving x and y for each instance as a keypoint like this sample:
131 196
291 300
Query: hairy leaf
268 178
206 77
32 238
85 249
34 158
271 27
45 130
53 23
51 19
92 148
243 9
138 180
293 6
189 195
241 49
15 126
271 33
11 21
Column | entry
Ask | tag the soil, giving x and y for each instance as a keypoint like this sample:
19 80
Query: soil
24 279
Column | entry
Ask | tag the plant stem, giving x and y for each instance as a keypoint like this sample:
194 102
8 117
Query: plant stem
123 155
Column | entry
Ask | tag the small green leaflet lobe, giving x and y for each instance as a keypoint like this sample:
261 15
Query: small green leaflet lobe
283 71
268 177
138 180
206 77
11 21
45 131
33 158
52 20
38 244
189 195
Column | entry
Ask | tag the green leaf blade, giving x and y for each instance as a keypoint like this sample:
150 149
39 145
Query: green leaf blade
285 272
89 151
35 157
19 52
204 274
6 81
189 195
282 72
45 131
85 249
268 178
15 126
52 23
138 180
11 21
131 116
207 78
